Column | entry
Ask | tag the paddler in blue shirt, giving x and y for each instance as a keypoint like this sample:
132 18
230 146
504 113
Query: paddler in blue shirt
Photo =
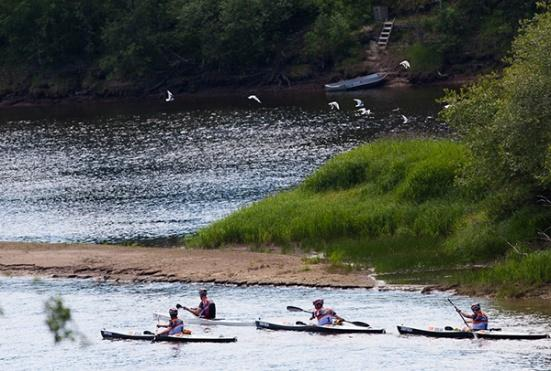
175 325
479 319
325 316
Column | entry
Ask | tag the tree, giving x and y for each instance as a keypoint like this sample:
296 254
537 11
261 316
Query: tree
506 121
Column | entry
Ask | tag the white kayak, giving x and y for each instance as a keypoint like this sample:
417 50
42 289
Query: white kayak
206 322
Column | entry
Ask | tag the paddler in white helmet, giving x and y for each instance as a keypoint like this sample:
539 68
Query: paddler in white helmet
325 316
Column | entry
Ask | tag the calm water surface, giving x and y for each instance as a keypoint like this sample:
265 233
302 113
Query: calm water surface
26 343
149 169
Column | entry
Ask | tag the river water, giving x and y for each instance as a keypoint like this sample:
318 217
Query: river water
26 343
148 169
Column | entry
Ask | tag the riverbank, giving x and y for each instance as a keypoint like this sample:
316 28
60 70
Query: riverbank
30 99
232 265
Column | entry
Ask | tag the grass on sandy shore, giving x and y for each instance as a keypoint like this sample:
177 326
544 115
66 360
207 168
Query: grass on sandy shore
394 205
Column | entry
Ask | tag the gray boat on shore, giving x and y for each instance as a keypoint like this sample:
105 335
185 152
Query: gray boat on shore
362 82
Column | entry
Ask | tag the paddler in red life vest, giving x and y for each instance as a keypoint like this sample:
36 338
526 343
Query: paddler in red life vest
175 325
325 316
206 308
479 319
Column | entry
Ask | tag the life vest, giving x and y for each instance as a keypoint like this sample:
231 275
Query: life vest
176 326
207 310
324 316
480 318
480 321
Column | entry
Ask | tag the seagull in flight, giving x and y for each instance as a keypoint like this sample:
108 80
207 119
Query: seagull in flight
448 106
254 97
364 111
334 105
405 64
359 103
170 96
405 119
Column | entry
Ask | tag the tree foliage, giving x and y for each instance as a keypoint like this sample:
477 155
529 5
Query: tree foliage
506 120
137 40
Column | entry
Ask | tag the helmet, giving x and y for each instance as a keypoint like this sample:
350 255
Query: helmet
202 292
475 307
173 312
317 302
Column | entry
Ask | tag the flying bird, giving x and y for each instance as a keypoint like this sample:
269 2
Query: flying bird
364 111
334 105
359 103
405 64
404 119
448 106
254 97
170 96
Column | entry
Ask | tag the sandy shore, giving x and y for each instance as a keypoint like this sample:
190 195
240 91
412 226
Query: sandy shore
139 264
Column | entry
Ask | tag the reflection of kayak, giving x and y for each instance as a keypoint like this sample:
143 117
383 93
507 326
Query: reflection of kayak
178 339
327 329
206 322
366 81
458 334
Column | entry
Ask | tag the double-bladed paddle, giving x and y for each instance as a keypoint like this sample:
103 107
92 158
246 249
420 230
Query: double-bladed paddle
463 318
179 306
291 308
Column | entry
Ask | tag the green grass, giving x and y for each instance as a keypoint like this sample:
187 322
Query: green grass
391 204
515 275
377 197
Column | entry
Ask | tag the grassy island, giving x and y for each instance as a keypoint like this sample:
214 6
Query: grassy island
396 205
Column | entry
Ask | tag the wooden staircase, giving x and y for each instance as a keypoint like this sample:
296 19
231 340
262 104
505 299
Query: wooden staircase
384 36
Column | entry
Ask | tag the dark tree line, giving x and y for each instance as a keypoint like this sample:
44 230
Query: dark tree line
144 39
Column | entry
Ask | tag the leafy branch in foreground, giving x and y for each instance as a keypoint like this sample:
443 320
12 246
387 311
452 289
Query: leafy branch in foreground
58 318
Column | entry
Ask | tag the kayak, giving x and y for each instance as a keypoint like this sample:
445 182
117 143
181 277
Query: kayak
326 329
458 334
206 322
177 339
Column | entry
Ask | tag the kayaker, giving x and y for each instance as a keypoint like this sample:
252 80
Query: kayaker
175 325
479 319
206 308
325 316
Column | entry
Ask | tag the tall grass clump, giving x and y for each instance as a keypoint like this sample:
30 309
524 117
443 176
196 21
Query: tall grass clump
386 189
515 275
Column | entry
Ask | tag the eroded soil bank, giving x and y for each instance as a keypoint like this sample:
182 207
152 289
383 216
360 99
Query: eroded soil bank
236 265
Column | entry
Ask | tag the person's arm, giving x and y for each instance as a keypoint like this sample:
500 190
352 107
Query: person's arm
195 311
162 325
163 331
466 315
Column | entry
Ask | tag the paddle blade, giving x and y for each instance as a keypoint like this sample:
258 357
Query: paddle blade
359 323
290 308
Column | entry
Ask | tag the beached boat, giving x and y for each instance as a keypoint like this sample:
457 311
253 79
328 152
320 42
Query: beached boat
362 82
111 335
458 334
327 329
206 322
